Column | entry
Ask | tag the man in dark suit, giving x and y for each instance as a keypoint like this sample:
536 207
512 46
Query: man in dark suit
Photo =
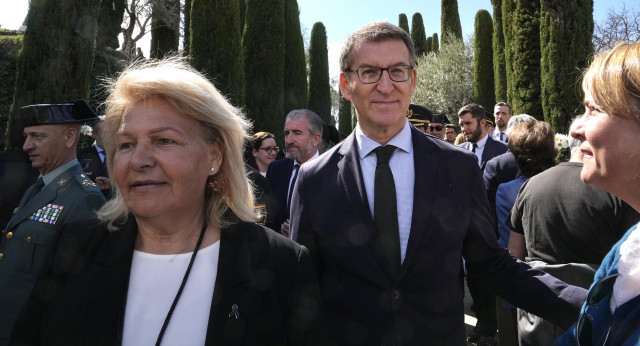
472 122
92 160
388 255
302 135
62 194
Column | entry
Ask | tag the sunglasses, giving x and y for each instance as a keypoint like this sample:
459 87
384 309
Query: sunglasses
436 127
599 291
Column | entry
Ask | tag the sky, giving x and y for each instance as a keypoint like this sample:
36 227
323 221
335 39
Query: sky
341 17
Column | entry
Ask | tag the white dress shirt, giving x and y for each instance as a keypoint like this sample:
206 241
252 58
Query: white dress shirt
480 149
402 168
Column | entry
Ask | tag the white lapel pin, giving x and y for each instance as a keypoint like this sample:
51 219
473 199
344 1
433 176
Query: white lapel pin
234 311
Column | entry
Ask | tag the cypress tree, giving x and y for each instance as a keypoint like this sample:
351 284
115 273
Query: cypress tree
165 28
264 64
216 46
418 34
429 45
435 45
319 88
54 64
483 90
242 7
499 67
403 22
450 20
566 28
344 116
109 20
187 27
295 73
524 88
508 8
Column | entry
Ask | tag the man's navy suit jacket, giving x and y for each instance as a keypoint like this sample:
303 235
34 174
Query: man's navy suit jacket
492 149
500 169
278 176
362 302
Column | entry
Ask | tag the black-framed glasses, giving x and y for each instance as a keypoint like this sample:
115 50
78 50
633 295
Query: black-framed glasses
372 74
269 150
436 127
599 291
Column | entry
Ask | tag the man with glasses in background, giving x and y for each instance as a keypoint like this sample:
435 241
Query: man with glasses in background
302 135
436 126
389 213
450 133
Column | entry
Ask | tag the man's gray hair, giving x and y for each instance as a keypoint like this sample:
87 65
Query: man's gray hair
374 32
315 122
517 119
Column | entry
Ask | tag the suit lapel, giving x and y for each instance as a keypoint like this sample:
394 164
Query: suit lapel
425 167
350 176
108 280
232 302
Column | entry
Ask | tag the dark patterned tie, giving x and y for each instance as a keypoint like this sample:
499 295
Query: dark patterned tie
475 146
296 168
36 188
385 212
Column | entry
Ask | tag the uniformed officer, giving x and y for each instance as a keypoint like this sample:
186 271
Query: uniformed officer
419 116
62 194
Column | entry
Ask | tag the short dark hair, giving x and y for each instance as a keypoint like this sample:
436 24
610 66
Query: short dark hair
374 32
476 110
533 145
451 126
504 104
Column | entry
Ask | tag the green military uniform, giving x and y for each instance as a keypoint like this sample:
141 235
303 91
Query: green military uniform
27 239
67 195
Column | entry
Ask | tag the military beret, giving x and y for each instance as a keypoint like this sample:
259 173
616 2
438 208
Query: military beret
419 115
61 113
440 118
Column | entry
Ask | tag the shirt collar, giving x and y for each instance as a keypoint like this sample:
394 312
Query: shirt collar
295 162
402 140
483 141
49 177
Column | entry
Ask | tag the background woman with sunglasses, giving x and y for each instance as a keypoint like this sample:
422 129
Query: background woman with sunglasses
610 135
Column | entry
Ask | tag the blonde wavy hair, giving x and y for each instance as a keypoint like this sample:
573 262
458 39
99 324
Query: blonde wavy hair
188 91
613 79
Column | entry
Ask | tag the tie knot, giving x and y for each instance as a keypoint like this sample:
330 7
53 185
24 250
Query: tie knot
384 153
39 183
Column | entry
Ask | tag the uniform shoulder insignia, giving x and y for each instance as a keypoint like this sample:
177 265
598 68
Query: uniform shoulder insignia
86 183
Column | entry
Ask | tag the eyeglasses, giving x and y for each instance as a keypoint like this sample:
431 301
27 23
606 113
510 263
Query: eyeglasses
269 150
436 127
598 292
372 74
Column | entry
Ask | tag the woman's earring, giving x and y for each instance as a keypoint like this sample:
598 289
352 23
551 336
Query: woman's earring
212 169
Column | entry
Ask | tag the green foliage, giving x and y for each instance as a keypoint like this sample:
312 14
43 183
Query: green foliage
344 117
418 34
106 65
55 62
428 45
566 28
319 88
499 67
435 43
216 48
450 20
109 20
242 8
264 64
295 73
165 28
523 43
508 8
9 47
186 39
483 89
403 22
445 80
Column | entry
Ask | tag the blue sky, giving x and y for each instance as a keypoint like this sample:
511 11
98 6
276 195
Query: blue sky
341 17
